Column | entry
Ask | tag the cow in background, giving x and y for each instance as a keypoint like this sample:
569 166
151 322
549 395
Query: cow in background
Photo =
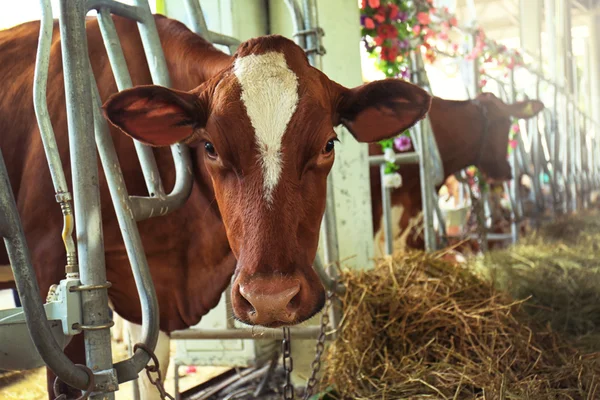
470 132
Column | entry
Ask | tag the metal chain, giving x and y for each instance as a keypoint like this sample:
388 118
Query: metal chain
150 369
316 364
84 393
288 364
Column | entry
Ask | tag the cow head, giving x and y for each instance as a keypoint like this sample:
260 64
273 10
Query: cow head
264 129
493 153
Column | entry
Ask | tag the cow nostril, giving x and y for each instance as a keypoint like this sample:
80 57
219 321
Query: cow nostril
294 303
245 304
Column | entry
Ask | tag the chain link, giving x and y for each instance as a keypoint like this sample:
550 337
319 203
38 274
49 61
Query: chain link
150 369
84 394
316 364
288 364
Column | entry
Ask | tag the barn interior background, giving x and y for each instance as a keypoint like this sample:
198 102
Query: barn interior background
538 47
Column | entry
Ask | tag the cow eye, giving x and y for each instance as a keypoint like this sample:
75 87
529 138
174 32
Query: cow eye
210 150
329 146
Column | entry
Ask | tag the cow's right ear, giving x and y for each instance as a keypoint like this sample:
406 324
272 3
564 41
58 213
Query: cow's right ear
381 109
156 115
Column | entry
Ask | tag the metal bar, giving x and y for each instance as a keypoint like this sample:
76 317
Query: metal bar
63 196
123 79
196 18
144 207
88 218
386 203
297 21
128 369
29 291
401 158
116 7
257 333
423 131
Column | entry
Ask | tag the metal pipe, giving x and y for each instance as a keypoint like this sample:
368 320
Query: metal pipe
29 291
84 167
258 333
196 18
127 370
144 207
117 8
401 158
386 203
123 80
330 284
297 21
63 196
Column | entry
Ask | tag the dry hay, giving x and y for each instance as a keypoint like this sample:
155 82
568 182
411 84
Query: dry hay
418 327
558 271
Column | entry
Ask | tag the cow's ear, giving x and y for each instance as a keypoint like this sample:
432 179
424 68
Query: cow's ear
156 115
525 109
380 109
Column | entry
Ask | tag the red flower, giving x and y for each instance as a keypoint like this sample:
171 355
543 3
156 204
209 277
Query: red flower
369 24
363 4
423 18
387 31
380 15
374 3
379 40
393 11
389 53
453 21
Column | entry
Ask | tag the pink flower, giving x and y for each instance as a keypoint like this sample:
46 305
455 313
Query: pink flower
442 36
453 21
416 29
455 47
515 128
402 143
363 4
482 83
423 18
369 24
374 3
513 144
190 369
445 27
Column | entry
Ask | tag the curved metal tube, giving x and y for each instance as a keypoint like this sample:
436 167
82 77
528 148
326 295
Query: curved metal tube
128 369
40 105
29 291
297 20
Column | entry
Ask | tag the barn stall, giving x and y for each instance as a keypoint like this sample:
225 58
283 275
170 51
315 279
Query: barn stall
464 50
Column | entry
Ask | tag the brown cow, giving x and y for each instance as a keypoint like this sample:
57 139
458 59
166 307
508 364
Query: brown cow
261 129
471 132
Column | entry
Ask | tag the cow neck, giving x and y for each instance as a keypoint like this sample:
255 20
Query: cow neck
461 130
485 130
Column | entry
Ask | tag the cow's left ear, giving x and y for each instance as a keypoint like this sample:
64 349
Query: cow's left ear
380 109
156 115
525 109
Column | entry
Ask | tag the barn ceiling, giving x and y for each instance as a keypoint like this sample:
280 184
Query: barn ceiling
500 18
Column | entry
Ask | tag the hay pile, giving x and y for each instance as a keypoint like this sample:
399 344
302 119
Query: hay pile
418 327
558 271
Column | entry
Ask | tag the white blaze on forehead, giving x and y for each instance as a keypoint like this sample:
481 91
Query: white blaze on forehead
270 95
